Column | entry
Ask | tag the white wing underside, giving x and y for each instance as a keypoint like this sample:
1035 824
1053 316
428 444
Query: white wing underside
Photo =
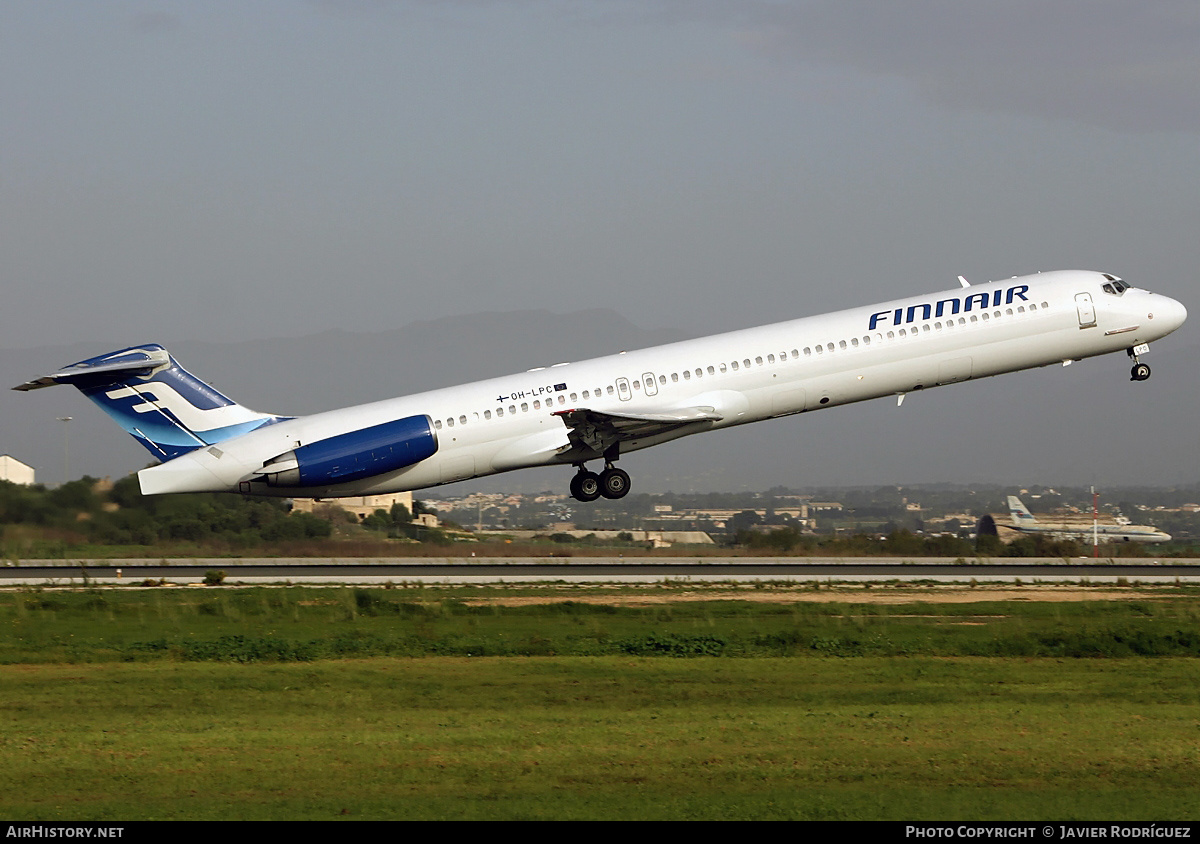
592 432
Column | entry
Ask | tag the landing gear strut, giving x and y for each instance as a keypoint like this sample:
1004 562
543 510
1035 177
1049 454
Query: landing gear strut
1140 371
588 486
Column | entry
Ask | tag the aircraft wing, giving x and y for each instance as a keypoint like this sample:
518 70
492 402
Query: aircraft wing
594 432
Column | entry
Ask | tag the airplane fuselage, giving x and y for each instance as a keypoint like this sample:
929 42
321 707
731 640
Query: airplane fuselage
1105 532
516 421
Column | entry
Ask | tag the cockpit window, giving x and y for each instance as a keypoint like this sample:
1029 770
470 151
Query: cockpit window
1115 285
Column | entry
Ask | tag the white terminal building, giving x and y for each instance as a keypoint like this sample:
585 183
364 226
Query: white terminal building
12 469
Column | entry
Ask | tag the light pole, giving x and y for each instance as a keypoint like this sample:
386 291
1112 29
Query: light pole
66 448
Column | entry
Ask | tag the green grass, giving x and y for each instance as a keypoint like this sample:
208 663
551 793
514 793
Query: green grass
868 738
305 624
305 703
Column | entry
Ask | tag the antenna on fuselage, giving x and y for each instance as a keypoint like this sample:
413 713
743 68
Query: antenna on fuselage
963 282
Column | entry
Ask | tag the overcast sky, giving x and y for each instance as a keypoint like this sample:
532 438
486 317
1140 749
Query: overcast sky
184 171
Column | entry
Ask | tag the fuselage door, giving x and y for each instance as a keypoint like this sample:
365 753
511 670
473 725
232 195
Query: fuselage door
623 391
650 384
1087 310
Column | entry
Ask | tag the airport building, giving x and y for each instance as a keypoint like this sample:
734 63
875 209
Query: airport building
12 469
361 506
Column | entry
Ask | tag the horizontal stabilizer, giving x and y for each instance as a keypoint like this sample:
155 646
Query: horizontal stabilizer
106 368
162 405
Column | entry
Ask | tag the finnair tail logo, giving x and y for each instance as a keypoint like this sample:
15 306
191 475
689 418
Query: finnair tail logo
156 396
952 305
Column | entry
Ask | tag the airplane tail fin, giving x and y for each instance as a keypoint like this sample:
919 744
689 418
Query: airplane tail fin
1019 513
162 405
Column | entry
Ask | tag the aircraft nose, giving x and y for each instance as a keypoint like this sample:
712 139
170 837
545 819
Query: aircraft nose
1169 314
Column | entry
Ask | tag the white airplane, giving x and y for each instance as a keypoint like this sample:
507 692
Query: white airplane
1024 521
600 409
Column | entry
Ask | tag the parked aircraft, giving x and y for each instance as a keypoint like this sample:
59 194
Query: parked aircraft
1024 521
598 410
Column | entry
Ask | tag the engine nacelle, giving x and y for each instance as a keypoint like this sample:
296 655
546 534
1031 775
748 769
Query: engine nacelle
354 455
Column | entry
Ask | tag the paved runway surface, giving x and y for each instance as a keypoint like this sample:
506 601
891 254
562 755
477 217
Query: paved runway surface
601 569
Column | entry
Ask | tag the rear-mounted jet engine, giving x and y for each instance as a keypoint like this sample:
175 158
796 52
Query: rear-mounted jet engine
357 454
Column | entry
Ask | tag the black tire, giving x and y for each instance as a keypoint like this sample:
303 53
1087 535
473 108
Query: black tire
614 483
1140 372
585 486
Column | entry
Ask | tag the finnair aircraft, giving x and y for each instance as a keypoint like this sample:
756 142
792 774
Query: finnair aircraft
1024 521
571 414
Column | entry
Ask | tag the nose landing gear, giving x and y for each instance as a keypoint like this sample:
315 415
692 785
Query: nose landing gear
1140 371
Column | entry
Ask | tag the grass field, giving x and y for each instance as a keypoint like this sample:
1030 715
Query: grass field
363 704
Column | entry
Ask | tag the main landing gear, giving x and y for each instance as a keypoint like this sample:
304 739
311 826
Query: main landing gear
588 486
1140 371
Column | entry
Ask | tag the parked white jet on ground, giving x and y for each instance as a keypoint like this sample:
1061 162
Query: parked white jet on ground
572 413
1024 521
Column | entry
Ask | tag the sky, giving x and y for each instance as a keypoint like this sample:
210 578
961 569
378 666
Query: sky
226 171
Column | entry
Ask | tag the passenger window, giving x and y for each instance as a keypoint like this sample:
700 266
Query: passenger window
437 423
586 394
841 344
687 375
807 352
499 411
537 405
854 342
450 422
770 358
524 407
700 372
674 377
487 414
610 389
734 365
512 410
711 371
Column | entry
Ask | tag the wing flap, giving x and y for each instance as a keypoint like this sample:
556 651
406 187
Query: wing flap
594 432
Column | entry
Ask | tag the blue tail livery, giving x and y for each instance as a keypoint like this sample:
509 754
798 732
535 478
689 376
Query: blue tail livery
162 405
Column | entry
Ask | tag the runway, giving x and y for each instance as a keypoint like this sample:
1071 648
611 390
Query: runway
641 570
